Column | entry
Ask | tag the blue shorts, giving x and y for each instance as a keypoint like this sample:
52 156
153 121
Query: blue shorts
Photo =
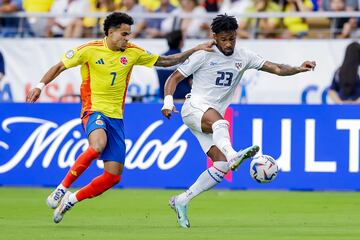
114 128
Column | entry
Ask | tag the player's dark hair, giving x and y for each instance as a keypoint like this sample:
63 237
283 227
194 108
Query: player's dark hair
348 73
224 23
115 19
174 39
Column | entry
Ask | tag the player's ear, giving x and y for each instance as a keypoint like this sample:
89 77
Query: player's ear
214 37
110 31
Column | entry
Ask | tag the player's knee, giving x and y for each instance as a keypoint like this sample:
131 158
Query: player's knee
220 124
99 146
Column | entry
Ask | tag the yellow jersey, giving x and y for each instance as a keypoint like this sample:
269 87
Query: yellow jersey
105 74
37 5
296 24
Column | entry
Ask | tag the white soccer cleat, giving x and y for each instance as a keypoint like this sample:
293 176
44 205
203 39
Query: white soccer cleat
55 197
242 155
181 212
65 205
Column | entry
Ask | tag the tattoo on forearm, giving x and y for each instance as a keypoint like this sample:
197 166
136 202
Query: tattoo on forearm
167 61
287 70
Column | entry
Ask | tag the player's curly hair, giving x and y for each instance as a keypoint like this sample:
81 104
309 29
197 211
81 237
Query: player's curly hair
224 23
115 19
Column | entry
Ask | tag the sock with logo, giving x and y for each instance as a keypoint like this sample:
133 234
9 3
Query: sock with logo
80 165
207 180
62 188
221 138
97 186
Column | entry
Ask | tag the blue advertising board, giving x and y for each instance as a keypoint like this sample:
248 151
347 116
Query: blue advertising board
316 146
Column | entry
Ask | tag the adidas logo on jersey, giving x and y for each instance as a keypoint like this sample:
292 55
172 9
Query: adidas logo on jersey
100 61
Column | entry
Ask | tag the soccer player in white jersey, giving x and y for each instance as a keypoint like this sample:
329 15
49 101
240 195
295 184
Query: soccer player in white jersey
215 77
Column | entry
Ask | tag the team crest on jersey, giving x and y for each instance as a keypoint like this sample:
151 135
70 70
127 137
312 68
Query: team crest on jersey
123 60
99 122
69 54
238 65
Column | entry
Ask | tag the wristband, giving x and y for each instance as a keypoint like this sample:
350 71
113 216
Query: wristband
168 102
40 86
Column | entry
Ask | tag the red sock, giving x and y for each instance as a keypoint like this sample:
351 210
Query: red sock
97 186
80 165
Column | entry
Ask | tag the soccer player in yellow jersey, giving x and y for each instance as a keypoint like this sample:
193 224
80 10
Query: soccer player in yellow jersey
105 69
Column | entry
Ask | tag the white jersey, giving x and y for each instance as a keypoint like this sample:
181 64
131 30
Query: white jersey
216 76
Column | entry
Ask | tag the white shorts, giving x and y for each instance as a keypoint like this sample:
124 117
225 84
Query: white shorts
191 114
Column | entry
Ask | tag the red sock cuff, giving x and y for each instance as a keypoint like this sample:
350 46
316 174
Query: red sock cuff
92 153
111 178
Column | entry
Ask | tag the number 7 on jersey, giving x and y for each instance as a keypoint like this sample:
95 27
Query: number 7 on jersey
113 79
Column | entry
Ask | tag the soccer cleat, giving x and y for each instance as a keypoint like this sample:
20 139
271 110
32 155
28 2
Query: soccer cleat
65 205
240 156
55 197
181 212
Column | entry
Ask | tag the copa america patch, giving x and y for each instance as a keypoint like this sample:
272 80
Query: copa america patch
99 122
69 54
123 60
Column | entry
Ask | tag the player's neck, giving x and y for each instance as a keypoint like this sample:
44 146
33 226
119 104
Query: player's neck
225 54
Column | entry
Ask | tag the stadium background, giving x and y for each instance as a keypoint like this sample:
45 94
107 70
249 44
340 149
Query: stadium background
315 142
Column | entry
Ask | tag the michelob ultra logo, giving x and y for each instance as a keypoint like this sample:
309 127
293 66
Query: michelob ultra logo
61 144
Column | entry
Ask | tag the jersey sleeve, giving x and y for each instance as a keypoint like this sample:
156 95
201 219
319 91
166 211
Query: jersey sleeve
254 61
74 57
146 58
193 63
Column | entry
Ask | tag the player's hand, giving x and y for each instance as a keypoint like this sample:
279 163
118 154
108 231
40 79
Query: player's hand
207 46
167 111
307 66
33 95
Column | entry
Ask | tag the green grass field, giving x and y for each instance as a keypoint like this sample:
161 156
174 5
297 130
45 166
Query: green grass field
144 214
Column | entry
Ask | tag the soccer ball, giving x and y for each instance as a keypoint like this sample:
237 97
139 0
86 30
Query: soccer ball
263 169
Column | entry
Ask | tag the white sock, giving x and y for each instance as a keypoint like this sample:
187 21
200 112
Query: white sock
72 198
60 186
207 180
221 138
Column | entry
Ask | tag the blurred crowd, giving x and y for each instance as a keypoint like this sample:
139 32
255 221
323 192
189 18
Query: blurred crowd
90 27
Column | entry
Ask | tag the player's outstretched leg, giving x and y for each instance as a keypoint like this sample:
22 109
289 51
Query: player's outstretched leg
242 155
80 165
207 180
181 212
222 141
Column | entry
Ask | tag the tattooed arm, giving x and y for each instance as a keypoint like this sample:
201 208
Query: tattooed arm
171 60
286 70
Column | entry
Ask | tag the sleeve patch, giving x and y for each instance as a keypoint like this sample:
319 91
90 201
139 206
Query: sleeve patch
70 54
